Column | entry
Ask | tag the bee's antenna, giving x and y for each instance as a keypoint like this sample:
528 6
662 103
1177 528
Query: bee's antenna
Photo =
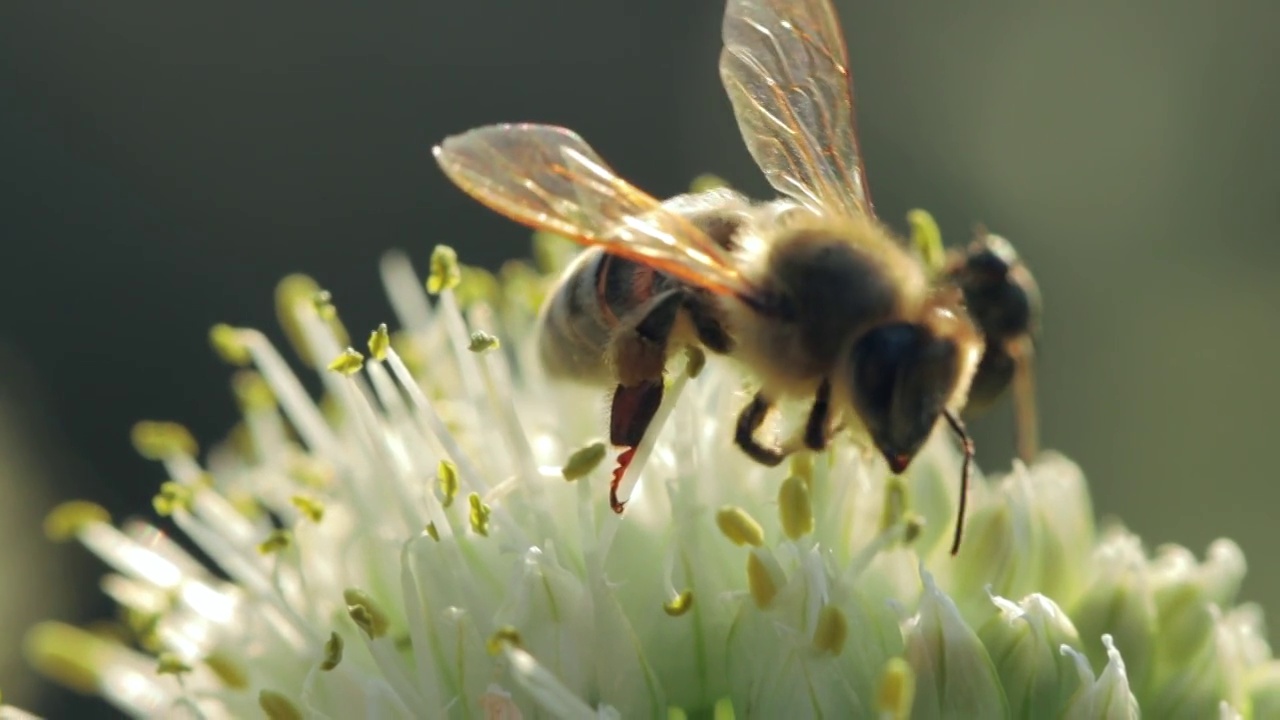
958 428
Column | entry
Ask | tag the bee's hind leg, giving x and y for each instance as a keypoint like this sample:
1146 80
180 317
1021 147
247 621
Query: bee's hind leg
638 349
639 354
630 414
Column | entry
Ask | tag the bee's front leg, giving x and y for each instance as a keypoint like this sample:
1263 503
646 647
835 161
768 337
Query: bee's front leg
817 431
749 421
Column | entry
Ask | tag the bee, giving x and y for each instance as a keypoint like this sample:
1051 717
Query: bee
1003 299
820 300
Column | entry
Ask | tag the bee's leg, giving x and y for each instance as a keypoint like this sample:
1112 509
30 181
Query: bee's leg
1024 397
817 431
639 348
631 412
749 421
639 353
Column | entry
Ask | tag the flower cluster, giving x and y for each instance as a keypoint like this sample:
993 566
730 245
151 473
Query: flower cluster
433 540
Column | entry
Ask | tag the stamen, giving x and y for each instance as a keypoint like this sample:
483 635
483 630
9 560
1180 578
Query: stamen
277 706
226 343
447 473
583 461
679 605
760 580
66 521
379 342
445 274
349 362
332 652
794 508
366 613
896 691
832 630
161 440
482 342
478 515
737 524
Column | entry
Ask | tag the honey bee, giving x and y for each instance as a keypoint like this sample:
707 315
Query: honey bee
1004 300
816 297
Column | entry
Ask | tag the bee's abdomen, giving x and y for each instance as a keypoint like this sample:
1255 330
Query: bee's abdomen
598 292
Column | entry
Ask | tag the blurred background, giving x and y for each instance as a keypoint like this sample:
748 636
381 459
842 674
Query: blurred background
163 165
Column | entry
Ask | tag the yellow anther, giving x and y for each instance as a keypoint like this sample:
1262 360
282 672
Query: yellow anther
444 273
831 631
897 690
155 440
482 341
366 613
760 581
583 461
312 508
332 652
432 532
679 605
448 474
503 637
379 341
478 515
173 496
277 541
738 525
348 362
794 508
71 656
65 521
277 706
227 344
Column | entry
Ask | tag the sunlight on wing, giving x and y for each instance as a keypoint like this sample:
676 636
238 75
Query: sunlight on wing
785 68
548 178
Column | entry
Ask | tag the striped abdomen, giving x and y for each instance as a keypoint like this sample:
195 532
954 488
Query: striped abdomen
597 292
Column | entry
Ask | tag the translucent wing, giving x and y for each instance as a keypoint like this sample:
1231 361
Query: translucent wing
548 178
786 70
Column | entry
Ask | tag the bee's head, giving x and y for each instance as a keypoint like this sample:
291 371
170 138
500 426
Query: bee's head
901 377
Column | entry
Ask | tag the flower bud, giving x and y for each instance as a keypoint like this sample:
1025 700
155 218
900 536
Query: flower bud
1118 603
954 673
1025 640
1107 696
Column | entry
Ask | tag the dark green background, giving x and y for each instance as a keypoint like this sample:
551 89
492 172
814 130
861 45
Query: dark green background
163 164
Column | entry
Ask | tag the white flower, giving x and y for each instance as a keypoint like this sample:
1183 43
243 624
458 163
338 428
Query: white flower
412 548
